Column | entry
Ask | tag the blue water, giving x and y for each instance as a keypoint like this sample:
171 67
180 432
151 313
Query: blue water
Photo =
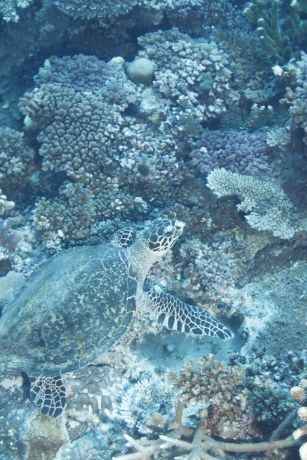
120 122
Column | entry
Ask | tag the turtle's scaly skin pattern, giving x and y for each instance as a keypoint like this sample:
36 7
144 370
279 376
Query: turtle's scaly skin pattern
75 307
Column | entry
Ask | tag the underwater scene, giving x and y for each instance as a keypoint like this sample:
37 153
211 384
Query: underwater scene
153 230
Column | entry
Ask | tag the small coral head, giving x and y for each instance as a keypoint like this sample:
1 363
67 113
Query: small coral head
162 235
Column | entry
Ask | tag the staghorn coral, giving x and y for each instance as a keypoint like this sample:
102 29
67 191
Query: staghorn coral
202 446
267 205
16 158
236 151
281 25
193 73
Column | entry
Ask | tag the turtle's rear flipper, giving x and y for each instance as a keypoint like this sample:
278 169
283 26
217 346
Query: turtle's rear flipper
48 395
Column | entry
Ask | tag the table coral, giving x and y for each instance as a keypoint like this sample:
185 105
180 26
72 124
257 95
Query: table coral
267 205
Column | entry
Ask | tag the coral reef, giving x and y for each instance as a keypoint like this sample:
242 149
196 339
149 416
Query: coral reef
209 273
8 243
277 312
95 9
134 103
267 205
111 10
202 446
237 151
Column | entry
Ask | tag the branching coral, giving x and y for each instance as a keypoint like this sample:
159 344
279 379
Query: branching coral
9 9
193 73
221 388
297 98
267 205
5 204
205 447
280 25
16 158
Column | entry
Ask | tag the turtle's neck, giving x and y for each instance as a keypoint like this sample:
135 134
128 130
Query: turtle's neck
142 259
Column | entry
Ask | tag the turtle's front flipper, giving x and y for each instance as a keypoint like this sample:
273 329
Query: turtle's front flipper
48 395
179 316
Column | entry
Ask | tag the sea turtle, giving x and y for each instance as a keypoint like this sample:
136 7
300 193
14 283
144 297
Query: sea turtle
78 303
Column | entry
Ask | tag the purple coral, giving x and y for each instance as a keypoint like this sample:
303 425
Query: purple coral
237 151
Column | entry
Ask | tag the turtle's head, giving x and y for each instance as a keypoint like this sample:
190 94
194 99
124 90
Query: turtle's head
162 235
